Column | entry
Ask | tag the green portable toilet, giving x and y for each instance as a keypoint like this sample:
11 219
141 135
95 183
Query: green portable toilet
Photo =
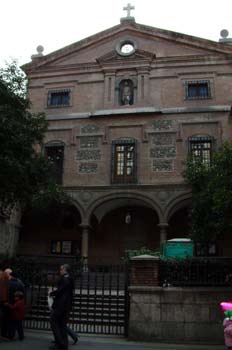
178 248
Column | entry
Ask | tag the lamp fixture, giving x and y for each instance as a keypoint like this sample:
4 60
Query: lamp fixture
128 218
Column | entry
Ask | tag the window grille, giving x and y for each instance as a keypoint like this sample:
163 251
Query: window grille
200 148
59 98
197 90
124 161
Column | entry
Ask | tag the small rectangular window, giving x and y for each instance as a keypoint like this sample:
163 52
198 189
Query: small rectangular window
198 90
59 98
200 149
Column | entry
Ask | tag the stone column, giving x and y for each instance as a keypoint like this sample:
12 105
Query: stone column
109 93
163 232
143 85
85 243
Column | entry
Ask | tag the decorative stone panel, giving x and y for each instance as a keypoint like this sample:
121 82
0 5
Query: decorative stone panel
162 165
163 152
163 124
88 155
89 142
89 152
89 129
87 168
163 139
163 145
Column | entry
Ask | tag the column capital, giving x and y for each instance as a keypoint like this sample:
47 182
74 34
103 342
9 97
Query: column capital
144 70
109 72
163 225
85 226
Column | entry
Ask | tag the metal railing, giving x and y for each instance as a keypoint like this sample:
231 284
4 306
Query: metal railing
100 302
196 271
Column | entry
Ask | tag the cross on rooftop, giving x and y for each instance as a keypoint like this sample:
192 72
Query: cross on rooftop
128 8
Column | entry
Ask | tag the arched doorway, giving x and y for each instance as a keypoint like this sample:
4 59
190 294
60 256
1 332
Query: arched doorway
179 224
124 228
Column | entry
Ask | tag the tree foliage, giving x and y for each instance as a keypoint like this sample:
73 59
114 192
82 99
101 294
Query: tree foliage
211 194
15 80
24 173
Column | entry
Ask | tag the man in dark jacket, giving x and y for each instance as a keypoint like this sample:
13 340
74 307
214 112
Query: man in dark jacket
61 308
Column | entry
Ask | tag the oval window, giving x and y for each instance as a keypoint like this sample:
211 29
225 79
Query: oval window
127 48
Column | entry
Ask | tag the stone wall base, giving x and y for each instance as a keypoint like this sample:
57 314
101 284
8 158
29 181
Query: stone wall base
177 314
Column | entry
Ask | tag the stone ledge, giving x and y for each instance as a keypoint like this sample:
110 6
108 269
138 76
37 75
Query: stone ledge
145 289
140 110
151 289
145 257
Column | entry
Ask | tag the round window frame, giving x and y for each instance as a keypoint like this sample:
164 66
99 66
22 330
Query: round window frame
123 43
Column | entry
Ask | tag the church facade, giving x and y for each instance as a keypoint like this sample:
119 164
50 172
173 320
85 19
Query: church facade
126 107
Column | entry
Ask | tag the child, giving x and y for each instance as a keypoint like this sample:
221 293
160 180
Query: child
227 324
17 315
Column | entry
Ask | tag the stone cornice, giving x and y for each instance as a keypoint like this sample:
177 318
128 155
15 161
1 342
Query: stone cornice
131 187
140 110
134 61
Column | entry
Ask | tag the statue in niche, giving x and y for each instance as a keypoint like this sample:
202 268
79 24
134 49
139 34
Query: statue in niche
126 92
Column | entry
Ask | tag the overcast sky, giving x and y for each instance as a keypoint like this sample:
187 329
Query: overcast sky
25 24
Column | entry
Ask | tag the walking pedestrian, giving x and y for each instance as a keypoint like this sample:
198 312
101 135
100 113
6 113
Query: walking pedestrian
73 335
61 308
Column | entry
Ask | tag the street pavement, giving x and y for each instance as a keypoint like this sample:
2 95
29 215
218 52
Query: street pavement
38 340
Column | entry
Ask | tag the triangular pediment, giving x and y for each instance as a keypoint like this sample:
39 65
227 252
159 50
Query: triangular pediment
151 43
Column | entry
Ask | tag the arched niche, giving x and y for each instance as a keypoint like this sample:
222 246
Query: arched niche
126 90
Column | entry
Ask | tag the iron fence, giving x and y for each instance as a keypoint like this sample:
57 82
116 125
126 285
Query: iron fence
100 302
101 299
196 271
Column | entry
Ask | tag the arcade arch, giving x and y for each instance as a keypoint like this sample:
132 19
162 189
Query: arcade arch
54 231
120 222
178 217
102 232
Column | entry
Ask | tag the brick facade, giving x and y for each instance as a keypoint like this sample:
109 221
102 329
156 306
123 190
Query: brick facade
159 121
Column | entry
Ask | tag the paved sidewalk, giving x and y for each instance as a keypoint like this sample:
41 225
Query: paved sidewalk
37 340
